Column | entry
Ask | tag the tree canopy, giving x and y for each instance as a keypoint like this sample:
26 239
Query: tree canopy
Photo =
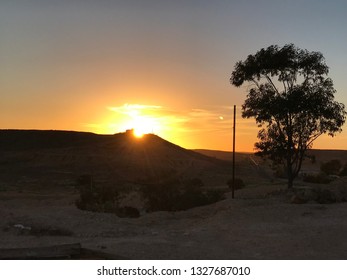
292 100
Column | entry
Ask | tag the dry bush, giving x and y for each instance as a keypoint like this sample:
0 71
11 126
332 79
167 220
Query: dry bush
317 178
343 172
331 167
319 195
103 198
173 196
239 184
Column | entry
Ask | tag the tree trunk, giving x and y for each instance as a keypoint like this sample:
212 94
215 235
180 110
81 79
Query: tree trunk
290 172
290 182
290 147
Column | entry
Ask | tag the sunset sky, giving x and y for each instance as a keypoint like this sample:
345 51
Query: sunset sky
157 65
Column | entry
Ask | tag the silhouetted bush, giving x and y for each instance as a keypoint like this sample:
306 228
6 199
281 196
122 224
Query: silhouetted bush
127 212
239 184
280 171
101 198
95 198
159 197
322 196
172 196
326 197
343 172
317 178
331 167
312 158
195 182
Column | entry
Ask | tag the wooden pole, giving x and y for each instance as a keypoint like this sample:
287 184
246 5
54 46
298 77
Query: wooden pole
233 179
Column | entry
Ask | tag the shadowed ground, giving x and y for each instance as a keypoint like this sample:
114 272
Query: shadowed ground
37 205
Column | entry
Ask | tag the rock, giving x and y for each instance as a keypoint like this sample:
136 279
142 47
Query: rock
21 227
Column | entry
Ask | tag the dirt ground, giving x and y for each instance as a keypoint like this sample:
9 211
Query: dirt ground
251 226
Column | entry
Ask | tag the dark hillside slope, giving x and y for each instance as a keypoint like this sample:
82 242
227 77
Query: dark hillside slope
46 157
45 139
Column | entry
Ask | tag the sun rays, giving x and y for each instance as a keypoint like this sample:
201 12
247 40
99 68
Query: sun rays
142 119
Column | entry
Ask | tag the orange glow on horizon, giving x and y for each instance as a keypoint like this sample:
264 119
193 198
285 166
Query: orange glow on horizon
201 128
139 118
144 125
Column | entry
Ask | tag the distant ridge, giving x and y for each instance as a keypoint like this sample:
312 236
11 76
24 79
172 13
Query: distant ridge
320 154
109 158
17 139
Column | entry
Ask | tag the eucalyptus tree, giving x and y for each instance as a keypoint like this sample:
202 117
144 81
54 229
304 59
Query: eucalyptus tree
291 98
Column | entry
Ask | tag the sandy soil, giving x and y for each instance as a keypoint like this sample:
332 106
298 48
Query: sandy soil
252 226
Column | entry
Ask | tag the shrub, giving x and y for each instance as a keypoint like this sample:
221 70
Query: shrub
95 198
171 196
280 171
159 197
127 212
317 178
101 198
322 196
239 184
190 198
195 182
326 197
343 172
313 159
331 167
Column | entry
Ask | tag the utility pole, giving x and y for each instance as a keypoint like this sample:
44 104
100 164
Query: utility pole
233 179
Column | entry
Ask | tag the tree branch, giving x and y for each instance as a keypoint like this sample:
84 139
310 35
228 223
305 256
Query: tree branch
284 86
271 82
256 83
312 139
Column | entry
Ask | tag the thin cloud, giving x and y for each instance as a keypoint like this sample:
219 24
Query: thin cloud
196 121
131 109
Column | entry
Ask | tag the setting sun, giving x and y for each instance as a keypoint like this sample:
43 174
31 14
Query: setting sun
144 125
142 119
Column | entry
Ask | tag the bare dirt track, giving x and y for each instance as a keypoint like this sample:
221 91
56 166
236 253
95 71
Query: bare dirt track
251 227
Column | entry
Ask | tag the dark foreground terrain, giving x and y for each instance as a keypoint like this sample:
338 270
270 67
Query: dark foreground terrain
38 194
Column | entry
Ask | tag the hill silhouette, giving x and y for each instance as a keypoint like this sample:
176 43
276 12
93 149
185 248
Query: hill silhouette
48 157
39 170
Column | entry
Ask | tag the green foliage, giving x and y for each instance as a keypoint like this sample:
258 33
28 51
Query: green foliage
172 196
292 101
331 167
